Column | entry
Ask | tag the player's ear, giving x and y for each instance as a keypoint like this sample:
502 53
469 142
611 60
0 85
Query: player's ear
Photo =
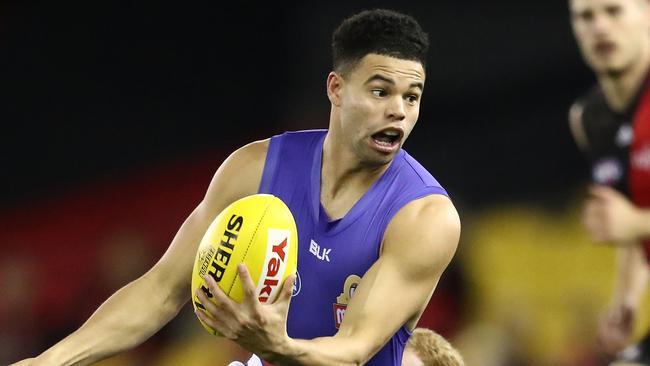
334 84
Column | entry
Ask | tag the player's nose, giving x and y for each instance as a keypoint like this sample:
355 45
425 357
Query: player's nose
396 111
600 25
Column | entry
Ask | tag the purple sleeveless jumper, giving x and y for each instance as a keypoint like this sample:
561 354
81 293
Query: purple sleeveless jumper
334 255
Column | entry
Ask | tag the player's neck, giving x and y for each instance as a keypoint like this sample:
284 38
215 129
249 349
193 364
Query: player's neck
344 180
621 89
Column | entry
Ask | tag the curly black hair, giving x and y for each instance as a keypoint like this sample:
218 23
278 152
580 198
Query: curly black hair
380 31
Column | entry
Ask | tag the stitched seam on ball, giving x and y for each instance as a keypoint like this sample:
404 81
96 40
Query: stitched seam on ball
249 245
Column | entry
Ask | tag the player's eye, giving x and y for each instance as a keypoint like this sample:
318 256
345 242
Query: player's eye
613 10
413 98
378 92
586 15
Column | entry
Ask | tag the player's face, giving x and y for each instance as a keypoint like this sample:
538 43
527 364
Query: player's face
379 105
611 34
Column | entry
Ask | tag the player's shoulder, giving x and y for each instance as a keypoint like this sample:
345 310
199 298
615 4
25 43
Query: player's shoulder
592 96
300 137
240 173
412 170
246 160
245 166
313 133
435 213
255 150
590 103
430 224
434 208
581 115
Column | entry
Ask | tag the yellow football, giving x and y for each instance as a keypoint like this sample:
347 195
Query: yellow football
257 230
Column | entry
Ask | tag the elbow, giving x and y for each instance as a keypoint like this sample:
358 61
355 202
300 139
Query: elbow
360 350
169 298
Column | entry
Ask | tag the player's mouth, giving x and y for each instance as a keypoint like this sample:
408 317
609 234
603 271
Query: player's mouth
387 140
604 48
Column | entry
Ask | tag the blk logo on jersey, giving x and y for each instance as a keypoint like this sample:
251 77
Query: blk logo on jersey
320 253
341 304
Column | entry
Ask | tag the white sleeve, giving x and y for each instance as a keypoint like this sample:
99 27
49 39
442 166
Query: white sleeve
254 361
236 363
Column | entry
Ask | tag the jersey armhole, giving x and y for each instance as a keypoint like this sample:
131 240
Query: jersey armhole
270 164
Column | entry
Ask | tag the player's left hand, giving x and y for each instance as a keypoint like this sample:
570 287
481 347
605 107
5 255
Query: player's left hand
260 328
611 217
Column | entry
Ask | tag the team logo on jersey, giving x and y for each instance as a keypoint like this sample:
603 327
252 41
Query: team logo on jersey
641 158
296 285
607 171
343 299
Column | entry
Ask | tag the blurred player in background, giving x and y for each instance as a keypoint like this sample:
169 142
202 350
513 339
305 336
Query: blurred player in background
611 125
428 348
375 229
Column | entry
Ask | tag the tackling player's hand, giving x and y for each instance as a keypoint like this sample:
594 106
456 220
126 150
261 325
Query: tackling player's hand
258 327
611 217
615 327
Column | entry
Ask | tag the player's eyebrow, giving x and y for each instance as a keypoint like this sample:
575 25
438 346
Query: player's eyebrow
417 85
392 82
381 78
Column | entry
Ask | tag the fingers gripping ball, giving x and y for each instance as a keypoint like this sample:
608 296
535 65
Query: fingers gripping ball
258 231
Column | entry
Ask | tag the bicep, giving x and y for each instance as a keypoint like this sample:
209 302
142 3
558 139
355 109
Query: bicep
419 244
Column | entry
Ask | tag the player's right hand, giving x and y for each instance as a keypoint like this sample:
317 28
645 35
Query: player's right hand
615 327
609 216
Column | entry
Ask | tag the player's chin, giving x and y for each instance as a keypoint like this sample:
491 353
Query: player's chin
608 66
378 159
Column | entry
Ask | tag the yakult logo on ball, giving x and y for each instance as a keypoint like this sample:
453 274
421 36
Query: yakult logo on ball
277 248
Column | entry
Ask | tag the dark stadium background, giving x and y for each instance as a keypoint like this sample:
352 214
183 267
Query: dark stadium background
100 98
91 89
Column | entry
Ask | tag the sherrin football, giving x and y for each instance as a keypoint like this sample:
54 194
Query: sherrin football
257 230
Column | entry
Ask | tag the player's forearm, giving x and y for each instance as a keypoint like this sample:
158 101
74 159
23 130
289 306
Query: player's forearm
125 320
324 351
631 274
